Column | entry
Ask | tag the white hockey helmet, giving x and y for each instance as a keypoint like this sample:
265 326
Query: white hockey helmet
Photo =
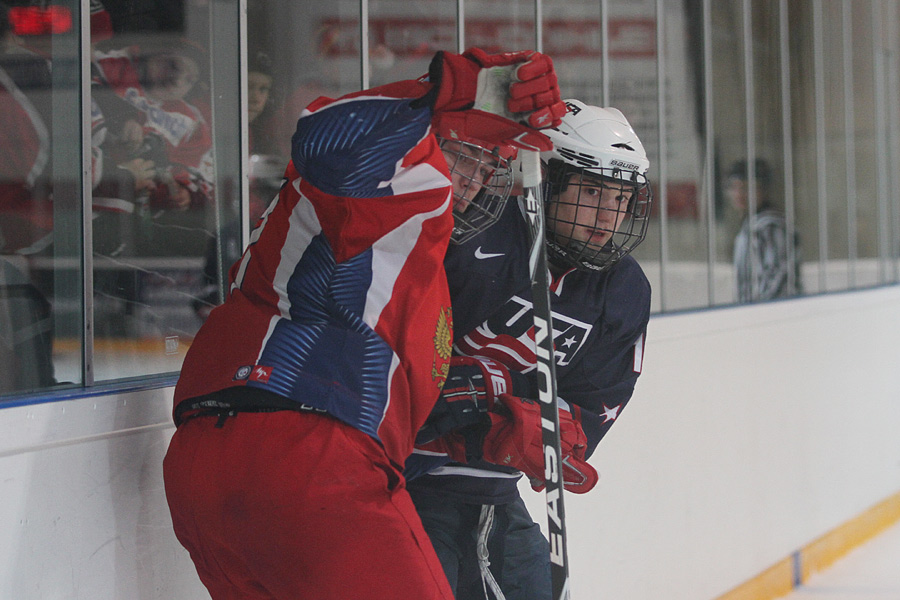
594 147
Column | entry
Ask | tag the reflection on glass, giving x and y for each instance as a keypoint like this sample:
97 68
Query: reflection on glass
166 202
154 195
572 37
403 37
867 230
630 84
756 235
806 141
266 168
835 195
687 278
314 51
500 25
733 113
40 220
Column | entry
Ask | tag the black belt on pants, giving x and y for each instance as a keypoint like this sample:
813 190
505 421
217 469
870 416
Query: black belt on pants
230 401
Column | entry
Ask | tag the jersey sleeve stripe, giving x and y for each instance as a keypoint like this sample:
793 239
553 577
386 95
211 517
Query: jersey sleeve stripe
304 226
385 264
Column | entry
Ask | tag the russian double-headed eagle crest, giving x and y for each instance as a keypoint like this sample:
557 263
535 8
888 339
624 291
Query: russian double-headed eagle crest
443 346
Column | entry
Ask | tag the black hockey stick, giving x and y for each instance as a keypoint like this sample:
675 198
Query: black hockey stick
533 206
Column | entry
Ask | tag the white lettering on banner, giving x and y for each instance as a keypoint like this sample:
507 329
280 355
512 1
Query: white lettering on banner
573 37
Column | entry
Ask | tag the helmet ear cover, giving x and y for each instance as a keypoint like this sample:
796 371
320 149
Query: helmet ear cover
557 177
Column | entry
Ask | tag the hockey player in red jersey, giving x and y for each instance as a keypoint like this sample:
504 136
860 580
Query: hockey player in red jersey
300 397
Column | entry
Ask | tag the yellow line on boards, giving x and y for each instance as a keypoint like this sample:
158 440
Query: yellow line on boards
129 345
782 577
823 552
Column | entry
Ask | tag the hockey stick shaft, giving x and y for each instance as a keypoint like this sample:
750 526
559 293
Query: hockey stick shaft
533 205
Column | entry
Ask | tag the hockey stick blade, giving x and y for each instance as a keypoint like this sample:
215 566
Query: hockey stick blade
533 207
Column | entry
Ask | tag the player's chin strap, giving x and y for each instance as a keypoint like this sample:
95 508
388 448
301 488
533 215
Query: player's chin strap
485 524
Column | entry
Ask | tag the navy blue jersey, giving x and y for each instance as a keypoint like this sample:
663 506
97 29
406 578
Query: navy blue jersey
599 325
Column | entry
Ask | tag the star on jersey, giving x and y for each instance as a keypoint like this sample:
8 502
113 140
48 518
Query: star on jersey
610 414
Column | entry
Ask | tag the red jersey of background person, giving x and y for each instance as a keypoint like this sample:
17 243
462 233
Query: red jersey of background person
26 210
181 125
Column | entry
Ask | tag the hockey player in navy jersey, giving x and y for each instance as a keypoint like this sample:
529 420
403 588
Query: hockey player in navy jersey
300 397
597 210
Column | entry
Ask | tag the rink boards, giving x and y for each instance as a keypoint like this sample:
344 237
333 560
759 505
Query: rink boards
753 432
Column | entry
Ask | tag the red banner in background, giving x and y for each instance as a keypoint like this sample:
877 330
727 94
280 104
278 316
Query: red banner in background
563 38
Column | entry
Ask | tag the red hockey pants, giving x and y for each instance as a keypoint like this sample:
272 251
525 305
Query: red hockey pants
288 505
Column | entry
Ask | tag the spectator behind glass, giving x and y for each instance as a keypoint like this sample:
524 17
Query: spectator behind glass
121 178
266 172
267 162
762 264
259 88
150 86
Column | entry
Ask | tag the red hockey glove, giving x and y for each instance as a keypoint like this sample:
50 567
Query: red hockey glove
515 440
510 94
518 85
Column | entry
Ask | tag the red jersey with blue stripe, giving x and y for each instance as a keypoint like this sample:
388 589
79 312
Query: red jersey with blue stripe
340 302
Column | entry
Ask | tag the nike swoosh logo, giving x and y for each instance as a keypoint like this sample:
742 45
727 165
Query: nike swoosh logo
482 255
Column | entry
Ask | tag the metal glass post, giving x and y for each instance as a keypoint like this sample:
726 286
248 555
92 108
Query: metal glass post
750 133
87 231
364 44
460 26
849 139
787 142
661 192
709 151
821 163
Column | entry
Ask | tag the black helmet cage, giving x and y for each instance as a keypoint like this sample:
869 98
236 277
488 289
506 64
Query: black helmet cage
563 249
471 162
